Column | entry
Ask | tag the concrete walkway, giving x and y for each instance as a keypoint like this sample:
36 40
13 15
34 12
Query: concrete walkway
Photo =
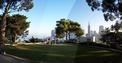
10 59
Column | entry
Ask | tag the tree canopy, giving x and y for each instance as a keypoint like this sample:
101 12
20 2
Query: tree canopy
65 27
9 6
16 26
112 9
116 27
15 5
113 35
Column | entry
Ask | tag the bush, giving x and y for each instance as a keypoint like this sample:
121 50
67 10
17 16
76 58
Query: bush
71 41
94 44
34 40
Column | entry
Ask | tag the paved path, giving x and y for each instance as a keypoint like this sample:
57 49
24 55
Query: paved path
10 59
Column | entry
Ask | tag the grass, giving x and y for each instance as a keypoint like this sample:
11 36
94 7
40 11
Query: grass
64 54
96 55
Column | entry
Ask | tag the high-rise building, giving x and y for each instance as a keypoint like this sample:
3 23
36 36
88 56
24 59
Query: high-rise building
92 35
101 29
53 35
89 31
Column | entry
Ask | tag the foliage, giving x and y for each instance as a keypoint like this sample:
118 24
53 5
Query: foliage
33 40
111 9
19 22
65 27
93 44
117 26
113 35
9 6
16 26
15 5
79 32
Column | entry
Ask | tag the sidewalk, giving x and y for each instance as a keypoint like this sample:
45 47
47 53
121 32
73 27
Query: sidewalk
11 59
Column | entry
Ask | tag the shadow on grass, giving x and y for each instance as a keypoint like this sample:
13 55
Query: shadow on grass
64 54
44 53
85 54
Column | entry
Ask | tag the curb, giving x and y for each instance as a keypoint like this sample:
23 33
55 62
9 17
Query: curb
17 58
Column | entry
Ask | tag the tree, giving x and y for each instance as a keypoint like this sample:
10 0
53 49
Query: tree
79 32
17 26
107 30
65 27
112 36
112 39
116 27
62 28
111 9
24 34
34 40
59 32
105 37
75 28
9 6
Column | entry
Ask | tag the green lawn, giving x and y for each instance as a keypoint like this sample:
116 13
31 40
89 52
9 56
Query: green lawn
64 54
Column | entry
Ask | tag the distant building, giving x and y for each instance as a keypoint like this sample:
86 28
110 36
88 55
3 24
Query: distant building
92 35
53 35
101 29
89 31
88 35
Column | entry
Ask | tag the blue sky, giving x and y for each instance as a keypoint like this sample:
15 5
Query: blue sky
45 13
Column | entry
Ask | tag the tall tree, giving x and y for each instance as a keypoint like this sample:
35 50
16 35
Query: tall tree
65 27
112 11
62 27
17 25
9 6
79 32
59 32
112 34
75 28
105 35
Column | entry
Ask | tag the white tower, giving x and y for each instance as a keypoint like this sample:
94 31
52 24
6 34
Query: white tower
89 32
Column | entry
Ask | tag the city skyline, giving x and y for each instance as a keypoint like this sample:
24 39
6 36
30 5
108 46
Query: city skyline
45 13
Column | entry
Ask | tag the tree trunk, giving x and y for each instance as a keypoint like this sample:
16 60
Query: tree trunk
69 35
2 33
3 27
66 35
13 38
